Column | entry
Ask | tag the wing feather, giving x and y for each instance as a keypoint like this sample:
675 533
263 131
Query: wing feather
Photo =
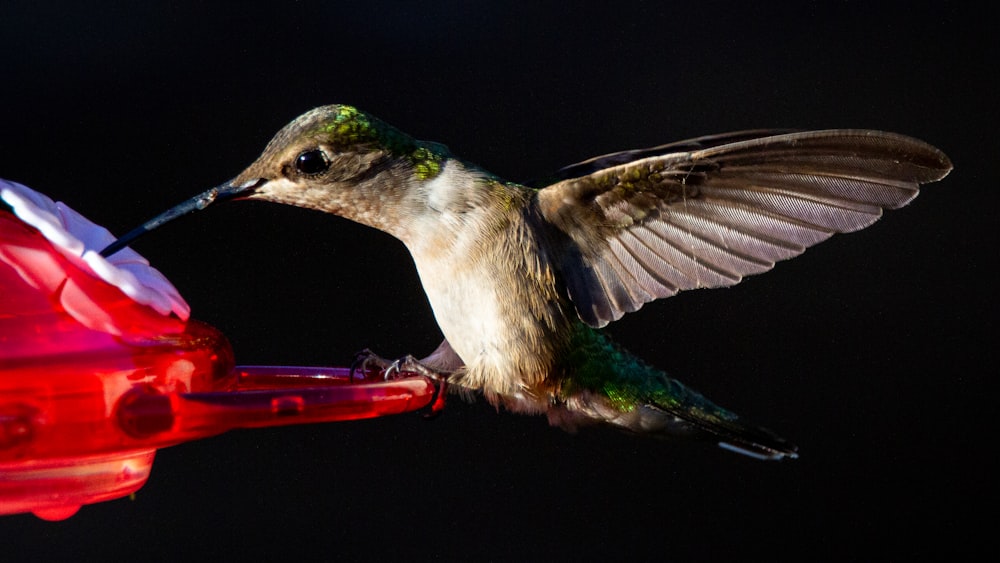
649 227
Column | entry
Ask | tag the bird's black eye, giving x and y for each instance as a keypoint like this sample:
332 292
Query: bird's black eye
312 162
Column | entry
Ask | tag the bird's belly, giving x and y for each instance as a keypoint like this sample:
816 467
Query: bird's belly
506 348
468 312
495 307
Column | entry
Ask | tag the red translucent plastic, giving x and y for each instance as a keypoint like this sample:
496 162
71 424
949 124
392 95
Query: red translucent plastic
82 410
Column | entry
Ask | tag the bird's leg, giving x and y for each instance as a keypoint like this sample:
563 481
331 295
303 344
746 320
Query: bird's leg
366 361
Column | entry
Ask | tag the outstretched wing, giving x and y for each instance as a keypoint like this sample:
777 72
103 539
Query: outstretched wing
598 163
651 227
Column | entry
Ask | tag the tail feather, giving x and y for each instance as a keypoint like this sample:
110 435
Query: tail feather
612 386
733 434
693 416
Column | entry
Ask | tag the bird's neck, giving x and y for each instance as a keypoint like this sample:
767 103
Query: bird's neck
457 203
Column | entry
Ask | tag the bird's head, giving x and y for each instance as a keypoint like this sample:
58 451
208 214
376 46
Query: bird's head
333 158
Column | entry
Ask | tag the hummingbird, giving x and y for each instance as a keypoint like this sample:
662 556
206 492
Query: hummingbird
521 277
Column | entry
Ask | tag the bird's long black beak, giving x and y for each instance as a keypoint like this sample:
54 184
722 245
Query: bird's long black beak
197 203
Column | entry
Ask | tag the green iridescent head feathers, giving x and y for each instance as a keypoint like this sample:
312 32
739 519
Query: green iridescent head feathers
346 127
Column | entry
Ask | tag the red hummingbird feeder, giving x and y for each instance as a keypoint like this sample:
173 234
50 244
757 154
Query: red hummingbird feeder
100 366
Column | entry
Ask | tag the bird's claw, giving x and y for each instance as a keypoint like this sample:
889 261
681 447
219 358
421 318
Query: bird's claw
394 370
367 361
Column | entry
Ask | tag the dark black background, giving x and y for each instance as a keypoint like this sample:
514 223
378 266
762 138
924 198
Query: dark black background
871 351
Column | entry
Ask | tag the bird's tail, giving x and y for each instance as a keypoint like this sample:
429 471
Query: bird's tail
607 384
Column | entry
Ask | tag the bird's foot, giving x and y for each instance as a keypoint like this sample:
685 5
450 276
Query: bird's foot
367 361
